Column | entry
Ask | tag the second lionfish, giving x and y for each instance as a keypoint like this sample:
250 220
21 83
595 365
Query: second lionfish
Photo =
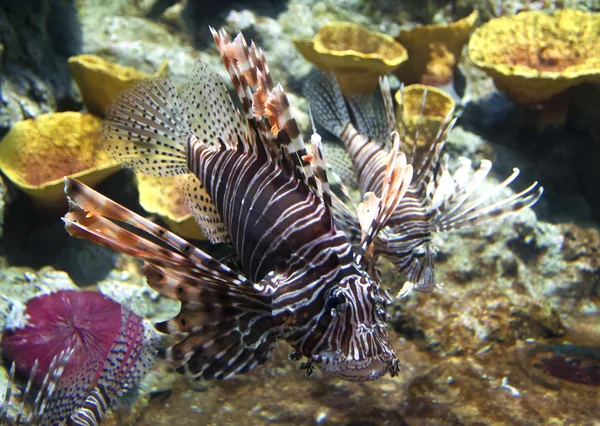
436 200
250 183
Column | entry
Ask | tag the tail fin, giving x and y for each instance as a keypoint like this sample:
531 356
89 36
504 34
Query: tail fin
225 319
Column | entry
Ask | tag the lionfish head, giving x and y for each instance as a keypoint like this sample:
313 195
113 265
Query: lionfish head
356 345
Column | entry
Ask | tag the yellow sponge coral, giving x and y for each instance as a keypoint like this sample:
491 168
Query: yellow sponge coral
534 56
438 105
36 154
164 197
100 81
434 50
357 56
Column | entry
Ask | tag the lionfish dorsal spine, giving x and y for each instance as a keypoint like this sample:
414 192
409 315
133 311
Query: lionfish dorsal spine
42 411
375 211
265 105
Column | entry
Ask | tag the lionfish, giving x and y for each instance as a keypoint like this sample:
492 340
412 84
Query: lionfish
436 200
82 350
251 183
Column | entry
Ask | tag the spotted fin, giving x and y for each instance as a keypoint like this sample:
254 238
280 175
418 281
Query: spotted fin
327 102
212 116
147 130
149 127
225 319
339 163
373 114
205 213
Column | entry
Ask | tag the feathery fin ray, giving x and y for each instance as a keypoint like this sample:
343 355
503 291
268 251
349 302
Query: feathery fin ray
229 301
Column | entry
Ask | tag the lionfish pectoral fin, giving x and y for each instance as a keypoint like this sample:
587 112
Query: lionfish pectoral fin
373 114
460 211
146 129
88 216
205 213
226 317
374 212
228 329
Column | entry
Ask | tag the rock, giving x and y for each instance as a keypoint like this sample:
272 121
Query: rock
3 201
37 38
131 290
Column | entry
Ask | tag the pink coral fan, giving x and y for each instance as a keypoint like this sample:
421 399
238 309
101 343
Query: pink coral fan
109 349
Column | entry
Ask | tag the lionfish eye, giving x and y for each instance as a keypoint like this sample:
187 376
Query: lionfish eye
336 304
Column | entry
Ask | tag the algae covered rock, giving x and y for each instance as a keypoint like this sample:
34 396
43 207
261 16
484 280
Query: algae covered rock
36 40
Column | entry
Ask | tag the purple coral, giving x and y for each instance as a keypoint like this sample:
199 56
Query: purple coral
112 349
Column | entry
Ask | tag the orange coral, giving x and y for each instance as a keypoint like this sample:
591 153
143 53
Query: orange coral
36 154
438 105
357 56
100 81
534 56
164 197
434 50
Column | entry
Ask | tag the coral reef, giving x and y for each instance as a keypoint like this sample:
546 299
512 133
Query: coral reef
478 351
100 81
107 350
434 51
36 154
421 114
357 56
534 56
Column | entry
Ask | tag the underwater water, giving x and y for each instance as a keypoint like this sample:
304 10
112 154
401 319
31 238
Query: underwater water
419 250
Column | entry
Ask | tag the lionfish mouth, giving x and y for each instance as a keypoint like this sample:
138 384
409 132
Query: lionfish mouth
361 370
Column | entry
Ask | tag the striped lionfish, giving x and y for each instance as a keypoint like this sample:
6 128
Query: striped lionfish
250 183
82 350
436 200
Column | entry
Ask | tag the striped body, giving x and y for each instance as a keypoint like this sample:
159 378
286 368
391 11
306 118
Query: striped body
407 240
251 183
277 224
272 218
435 201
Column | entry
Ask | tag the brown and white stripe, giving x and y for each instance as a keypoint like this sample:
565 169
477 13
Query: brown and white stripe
257 187
436 200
